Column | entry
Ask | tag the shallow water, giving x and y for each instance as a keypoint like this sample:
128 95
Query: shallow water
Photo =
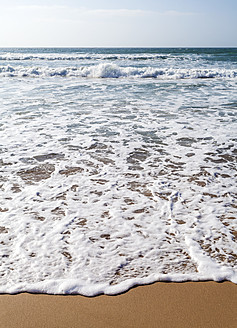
117 167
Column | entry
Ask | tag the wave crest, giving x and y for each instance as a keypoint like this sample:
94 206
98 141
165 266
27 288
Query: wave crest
115 71
76 57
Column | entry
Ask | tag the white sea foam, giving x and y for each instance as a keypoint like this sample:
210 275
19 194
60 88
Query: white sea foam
115 71
109 183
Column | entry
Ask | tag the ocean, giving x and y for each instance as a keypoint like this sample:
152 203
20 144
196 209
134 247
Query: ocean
117 168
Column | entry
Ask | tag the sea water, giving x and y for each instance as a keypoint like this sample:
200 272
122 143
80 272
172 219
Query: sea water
117 168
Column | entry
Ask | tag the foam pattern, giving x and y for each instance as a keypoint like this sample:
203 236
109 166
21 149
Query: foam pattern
110 183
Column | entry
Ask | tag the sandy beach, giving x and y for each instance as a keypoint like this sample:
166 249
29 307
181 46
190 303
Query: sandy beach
178 305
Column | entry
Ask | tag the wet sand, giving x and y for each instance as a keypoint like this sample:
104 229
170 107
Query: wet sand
171 305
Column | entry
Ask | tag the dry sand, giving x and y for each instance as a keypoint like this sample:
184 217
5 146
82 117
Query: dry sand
178 305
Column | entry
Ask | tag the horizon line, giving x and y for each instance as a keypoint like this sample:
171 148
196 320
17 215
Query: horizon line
120 47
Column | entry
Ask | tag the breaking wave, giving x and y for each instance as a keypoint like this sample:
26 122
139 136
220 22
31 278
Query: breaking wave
115 71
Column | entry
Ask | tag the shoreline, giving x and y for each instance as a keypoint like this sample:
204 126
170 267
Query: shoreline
162 304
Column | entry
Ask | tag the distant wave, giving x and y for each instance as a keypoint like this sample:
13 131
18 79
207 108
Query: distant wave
115 71
71 57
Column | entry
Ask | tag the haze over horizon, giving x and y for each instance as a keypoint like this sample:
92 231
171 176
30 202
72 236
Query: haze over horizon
106 23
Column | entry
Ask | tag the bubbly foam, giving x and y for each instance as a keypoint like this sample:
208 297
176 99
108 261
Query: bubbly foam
110 183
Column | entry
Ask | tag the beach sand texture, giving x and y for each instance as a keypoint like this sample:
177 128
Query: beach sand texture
171 305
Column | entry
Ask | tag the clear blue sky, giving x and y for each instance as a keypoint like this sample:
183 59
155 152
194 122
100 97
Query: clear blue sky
108 23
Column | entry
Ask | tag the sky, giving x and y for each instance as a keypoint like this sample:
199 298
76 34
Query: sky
110 23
